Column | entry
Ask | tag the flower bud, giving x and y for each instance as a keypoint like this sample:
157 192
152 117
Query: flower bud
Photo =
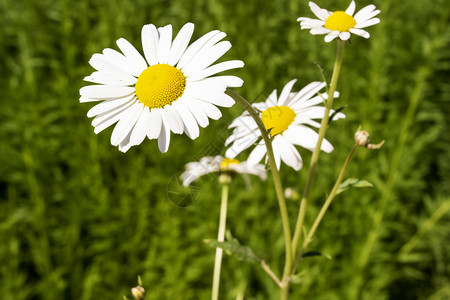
362 138
138 293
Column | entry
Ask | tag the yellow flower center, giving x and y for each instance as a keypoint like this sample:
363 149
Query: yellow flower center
277 119
159 85
226 162
340 21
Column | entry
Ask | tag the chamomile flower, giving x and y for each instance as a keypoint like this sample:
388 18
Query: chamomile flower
170 90
216 164
288 120
340 23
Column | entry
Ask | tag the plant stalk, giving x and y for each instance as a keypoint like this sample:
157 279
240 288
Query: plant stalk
315 156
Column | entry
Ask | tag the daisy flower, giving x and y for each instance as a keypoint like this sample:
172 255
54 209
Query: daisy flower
287 119
170 90
340 23
216 164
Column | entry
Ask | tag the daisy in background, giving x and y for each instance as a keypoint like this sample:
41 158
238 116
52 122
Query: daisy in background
340 23
218 164
287 119
170 90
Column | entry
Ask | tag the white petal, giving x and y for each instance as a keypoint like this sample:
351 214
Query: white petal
190 124
285 92
331 36
217 68
319 30
172 119
134 58
197 111
344 35
306 93
257 154
126 123
111 114
210 109
192 50
165 41
104 121
368 23
209 93
289 155
100 63
108 105
366 13
241 144
141 128
276 152
206 57
84 99
228 80
102 78
311 23
180 43
322 14
360 32
305 137
351 9
106 91
125 145
150 41
164 137
118 59
154 129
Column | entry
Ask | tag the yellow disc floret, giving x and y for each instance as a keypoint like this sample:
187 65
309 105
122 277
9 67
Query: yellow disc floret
340 21
277 119
226 162
159 85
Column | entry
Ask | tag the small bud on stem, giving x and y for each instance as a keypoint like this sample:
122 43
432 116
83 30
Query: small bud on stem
138 293
362 139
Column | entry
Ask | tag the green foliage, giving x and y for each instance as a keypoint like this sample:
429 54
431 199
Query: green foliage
80 220
353 183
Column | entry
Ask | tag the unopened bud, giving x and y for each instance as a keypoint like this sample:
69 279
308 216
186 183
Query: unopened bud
138 293
362 138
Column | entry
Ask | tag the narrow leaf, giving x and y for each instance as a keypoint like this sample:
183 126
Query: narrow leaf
234 248
353 183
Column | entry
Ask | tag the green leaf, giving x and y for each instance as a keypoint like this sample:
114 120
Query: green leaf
353 183
234 248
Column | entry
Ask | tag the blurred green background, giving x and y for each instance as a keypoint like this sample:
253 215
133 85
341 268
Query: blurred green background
80 220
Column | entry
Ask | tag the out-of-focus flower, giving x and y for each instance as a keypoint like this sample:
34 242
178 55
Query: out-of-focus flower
340 23
218 164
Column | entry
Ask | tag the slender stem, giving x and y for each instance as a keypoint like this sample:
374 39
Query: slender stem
271 273
315 156
325 206
278 187
220 238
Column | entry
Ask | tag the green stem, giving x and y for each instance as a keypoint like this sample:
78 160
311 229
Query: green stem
220 238
315 156
325 206
278 188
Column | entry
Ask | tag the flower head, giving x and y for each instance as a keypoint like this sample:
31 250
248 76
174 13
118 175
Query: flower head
287 119
340 23
219 164
171 90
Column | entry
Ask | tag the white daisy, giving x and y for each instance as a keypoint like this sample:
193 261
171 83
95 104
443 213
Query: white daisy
286 119
340 23
210 164
171 90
